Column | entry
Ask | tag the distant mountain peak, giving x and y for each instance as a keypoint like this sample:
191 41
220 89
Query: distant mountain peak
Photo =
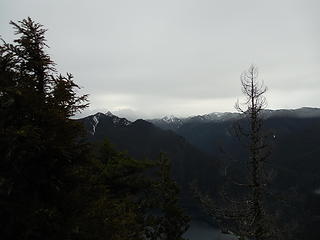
95 120
98 114
170 118
174 123
109 114
214 116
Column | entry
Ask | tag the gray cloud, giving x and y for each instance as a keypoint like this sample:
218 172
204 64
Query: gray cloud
180 56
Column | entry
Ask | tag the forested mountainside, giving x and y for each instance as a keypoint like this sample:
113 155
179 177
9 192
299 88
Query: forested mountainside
293 138
294 145
201 148
142 140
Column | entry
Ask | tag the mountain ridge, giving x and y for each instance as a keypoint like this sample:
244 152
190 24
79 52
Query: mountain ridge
142 139
195 150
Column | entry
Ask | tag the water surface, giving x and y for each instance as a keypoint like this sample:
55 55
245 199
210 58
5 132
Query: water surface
203 231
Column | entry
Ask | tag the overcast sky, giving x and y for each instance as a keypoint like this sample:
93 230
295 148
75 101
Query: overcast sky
181 57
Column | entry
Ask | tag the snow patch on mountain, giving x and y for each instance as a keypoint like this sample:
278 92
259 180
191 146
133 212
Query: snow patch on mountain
95 122
120 121
97 118
172 122
170 119
213 117
220 116
116 120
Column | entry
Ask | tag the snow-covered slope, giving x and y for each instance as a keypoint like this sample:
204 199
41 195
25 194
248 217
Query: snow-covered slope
174 123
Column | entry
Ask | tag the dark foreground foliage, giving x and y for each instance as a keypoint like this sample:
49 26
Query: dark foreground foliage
53 186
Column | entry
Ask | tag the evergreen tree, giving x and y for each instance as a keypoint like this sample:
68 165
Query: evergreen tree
36 135
171 222
51 185
118 197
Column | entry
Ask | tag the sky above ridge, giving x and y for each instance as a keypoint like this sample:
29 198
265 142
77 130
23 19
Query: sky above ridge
150 58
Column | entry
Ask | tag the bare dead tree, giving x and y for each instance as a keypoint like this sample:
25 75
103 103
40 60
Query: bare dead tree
245 216
255 102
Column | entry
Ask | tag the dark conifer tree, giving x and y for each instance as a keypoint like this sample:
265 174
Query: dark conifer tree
51 185
171 222
36 135
117 197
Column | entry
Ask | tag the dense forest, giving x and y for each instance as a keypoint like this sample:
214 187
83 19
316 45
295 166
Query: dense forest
104 177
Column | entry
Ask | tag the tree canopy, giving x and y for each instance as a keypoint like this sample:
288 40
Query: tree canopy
52 184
